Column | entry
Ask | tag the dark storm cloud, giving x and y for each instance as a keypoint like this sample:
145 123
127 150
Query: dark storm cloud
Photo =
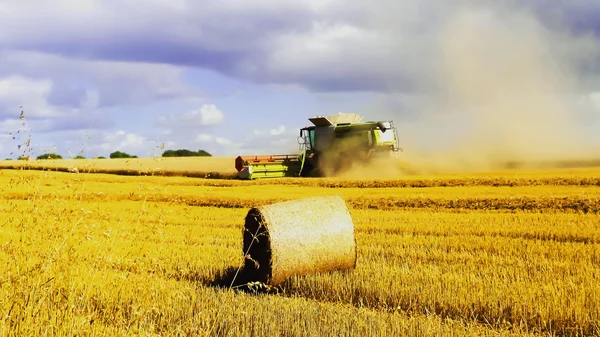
578 16
235 39
324 46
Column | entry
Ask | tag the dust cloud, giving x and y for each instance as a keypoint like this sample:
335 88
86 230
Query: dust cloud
504 95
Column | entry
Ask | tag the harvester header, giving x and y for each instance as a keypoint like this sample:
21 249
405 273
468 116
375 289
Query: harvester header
331 145
273 166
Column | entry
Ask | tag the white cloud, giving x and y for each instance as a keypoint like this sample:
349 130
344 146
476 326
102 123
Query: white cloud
89 143
218 145
595 98
204 138
132 140
91 100
16 91
120 141
12 125
273 132
319 45
210 115
207 115
83 83
223 141
279 130
322 45
269 141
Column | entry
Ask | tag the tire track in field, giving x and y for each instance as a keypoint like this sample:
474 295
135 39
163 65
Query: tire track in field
228 179
511 204
444 182
572 204
534 236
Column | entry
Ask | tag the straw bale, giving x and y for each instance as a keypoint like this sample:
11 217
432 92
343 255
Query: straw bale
298 237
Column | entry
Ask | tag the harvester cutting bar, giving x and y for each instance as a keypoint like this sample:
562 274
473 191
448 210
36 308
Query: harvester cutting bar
270 166
243 161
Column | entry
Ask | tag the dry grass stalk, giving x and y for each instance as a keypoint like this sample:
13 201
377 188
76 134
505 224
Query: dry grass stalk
298 237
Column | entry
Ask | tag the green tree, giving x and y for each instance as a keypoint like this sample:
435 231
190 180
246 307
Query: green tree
49 156
79 157
185 153
119 154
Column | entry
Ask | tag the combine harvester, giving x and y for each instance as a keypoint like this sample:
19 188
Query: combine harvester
328 147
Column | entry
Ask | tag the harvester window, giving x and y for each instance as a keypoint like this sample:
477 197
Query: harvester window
307 139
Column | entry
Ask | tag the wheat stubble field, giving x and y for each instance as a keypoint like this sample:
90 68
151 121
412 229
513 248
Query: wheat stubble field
505 253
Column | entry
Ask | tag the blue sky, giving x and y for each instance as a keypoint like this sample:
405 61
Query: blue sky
241 77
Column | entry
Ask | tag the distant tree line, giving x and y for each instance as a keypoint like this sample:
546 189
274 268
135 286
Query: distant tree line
186 153
120 154
49 156
54 156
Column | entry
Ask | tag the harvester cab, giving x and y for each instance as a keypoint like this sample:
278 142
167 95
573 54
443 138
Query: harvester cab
329 146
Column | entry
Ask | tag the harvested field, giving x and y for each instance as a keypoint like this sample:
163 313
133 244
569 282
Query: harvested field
200 167
515 253
222 168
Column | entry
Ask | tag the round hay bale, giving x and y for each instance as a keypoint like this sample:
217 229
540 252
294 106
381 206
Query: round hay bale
298 237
